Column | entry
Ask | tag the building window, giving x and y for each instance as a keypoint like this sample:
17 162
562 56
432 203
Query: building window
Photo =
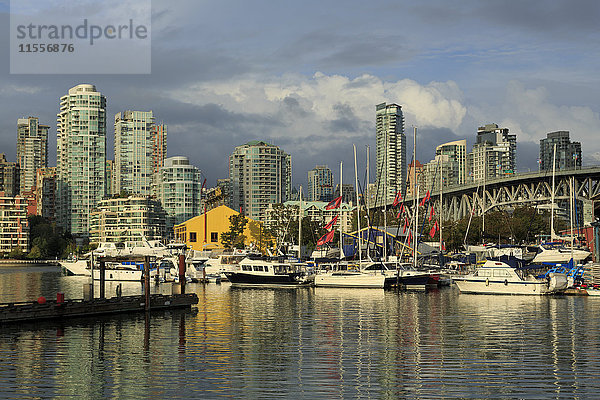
192 236
214 237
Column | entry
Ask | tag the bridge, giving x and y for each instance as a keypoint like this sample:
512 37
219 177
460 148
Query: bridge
533 188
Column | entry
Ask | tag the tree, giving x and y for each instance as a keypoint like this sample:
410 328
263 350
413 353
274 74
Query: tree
47 237
16 253
235 238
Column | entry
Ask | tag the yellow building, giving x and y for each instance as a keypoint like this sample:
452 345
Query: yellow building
204 231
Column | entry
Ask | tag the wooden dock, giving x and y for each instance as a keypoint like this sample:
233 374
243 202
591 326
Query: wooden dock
53 309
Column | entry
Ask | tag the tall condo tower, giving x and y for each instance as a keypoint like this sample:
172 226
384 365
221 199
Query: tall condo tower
260 174
494 154
179 190
568 154
457 156
139 152
80 157
391 151
320 184
32 150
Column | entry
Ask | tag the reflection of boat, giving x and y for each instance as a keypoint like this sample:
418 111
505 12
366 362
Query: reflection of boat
347 275
500 278
556 253
258 271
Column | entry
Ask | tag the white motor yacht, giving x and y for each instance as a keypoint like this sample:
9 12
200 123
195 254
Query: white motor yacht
556 253
496 277
349 275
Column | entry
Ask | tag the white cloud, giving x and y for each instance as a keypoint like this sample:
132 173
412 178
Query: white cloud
308 105
531 114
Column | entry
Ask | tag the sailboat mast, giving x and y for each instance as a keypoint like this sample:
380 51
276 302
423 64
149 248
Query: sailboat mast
552 195
441 210
483 194
300 226
416 198
368 181
340 208
357 208
572 201
385 198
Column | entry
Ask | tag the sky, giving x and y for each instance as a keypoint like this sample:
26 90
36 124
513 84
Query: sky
306 76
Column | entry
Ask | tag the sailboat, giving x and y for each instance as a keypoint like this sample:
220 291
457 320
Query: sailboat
555 252
350 275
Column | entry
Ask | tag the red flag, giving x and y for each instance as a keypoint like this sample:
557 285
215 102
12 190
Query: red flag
335 203
432 211
331 223
432 231
397 199
326 238
399 215
405 226
443 246
425 199
409 238
402 207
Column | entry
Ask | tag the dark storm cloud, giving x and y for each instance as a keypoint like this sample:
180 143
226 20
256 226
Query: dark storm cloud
527 156
346 121
331 49
547 17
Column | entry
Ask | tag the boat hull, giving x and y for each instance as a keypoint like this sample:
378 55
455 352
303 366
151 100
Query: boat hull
490 286
131 275
241 278
376 281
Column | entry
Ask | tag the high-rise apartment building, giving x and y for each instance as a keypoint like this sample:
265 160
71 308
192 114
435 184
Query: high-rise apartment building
140 148
9 176
178 186
568 154
493 155
14 226
260 174
159 146
457 156
415 178
438 171
348 193
110 178
391 150
45 192
320 184
80 157
127 219
32 150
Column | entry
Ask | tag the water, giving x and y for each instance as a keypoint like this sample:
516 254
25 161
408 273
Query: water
304 343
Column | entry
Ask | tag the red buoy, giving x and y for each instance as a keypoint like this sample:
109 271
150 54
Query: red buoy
41 300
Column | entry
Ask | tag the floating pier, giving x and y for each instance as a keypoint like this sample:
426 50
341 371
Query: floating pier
43 309
61 309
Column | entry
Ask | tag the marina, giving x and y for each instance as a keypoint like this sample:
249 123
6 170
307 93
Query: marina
318 342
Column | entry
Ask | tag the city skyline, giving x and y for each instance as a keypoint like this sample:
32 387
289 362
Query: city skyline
298 80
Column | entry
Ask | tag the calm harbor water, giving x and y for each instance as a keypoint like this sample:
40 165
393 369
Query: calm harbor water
304 343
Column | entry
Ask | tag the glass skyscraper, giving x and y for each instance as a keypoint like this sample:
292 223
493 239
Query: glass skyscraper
260 174
32 150
80 157
138 152
320 184
391 151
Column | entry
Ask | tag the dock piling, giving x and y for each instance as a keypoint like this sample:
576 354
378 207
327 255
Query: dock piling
147 282
102 278
182 272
